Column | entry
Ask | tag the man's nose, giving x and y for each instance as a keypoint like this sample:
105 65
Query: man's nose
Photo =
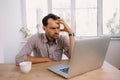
57 30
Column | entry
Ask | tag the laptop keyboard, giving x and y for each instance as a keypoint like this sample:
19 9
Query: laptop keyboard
65 70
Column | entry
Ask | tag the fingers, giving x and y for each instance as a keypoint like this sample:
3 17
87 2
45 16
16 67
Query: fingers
66 27
62 30
61 21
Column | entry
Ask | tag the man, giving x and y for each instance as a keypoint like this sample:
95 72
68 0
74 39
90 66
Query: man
48 46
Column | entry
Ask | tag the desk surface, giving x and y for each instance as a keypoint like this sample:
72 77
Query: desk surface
40 72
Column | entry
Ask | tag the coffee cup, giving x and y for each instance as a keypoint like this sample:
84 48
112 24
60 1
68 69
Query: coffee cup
25 66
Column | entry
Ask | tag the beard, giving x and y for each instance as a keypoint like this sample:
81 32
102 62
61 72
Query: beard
55 36
52 36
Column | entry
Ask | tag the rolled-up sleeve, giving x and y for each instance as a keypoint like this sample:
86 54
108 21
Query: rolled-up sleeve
25 51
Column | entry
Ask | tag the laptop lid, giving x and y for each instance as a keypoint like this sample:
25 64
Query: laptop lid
88 54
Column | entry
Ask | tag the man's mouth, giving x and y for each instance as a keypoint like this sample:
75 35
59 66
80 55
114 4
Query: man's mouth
56 35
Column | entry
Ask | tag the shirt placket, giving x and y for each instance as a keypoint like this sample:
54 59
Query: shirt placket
50 51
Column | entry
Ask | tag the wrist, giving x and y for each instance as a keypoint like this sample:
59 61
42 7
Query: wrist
48 59
71 34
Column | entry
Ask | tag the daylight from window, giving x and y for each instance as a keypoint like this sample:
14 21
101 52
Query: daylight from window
111 17
81 15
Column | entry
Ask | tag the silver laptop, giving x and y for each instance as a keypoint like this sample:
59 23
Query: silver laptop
88 54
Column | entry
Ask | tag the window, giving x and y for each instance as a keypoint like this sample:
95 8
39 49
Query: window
111 17
82 15
85 17
35 10
63 9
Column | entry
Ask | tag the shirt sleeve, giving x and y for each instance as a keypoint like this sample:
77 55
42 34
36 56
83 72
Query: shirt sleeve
25 51
66 46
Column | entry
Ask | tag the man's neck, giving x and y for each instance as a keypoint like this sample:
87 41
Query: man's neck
50 40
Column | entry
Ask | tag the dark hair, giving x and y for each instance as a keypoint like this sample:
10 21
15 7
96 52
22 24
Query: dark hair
45 19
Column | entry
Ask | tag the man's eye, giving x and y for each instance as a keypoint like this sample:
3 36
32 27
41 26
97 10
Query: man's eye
52 28
58 28
55 28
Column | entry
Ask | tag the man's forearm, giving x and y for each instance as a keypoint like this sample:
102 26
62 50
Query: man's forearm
70 32
37 59
71 38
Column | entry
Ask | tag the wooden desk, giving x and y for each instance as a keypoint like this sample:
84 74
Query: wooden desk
40 72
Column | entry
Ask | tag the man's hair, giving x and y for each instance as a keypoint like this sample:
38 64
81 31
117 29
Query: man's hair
45 19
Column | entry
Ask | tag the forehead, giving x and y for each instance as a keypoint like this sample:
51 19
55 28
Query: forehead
52 22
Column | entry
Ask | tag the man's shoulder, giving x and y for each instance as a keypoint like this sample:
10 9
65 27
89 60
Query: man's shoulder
37 36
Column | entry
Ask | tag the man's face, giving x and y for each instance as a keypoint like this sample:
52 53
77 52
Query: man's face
52 29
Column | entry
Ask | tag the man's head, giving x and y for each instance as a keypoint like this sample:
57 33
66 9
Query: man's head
51 26
52 16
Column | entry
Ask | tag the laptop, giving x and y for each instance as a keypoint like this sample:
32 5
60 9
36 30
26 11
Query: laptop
88 55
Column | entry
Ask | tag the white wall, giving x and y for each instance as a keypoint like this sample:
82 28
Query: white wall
10 23
1 54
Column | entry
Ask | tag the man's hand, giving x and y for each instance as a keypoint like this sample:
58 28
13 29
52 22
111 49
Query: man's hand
38 59
66 27
71 38
48 59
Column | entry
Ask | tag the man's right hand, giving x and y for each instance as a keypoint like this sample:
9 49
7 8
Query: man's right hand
48 59
38 59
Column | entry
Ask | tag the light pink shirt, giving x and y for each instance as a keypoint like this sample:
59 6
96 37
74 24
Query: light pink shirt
39 45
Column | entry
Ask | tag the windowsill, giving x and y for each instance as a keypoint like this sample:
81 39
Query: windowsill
115 38
112 37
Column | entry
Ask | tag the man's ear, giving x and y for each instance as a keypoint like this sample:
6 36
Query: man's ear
44 28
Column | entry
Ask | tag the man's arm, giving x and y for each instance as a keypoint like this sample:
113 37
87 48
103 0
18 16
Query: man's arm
70 33
38 59
71 43
26 50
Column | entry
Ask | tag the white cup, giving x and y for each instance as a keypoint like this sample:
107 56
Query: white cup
25 66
